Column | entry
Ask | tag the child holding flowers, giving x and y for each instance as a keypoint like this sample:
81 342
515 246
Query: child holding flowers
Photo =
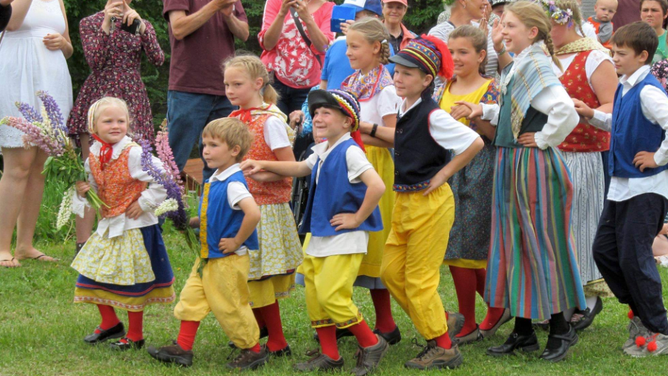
124 264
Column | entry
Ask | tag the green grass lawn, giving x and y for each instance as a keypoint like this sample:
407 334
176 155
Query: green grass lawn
41 332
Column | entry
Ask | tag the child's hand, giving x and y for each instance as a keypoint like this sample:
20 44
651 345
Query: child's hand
345 26
643 160
134 210
228 245
296 118
582 109
497 36
528 140
475 108
459 111
250 167
438 180
82 187
345 221
194 222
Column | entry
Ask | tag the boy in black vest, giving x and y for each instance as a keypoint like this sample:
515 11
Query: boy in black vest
424 208
638 196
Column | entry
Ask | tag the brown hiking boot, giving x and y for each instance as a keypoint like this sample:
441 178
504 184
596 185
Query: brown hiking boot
172 354
455 324
249 359
320 362
369 357
434 357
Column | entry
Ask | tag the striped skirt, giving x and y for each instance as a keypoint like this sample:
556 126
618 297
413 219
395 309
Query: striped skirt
588 197
532 267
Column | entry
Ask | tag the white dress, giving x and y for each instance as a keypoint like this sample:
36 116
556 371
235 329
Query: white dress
26 66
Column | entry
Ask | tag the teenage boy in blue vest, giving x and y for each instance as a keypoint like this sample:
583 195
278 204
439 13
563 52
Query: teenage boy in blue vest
341 210
218 282
424 209
638 196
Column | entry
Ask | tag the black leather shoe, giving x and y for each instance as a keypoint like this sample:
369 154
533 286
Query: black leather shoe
117 331
392 338
589 315
526 343
566 341
263 334
126 344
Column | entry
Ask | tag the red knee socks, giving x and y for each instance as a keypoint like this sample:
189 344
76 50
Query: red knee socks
381 302
258 317
136 326
272 318
187 334
444 341
493 314
465 285
328 346
365 337
109 318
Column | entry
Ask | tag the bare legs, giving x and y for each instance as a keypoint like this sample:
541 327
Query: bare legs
84 226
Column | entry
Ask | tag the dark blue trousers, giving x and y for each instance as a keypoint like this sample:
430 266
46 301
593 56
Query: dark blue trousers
623 253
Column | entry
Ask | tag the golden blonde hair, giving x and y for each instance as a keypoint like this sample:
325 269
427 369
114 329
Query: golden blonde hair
533 15
576 14
231 131
374 31
96 108
255 69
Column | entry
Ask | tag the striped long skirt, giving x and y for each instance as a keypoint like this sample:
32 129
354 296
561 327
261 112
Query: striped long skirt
532 264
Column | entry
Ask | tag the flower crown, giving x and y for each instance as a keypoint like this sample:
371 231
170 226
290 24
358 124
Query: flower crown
558 15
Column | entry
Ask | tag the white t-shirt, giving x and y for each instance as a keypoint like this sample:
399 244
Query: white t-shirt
589 30
275 134
385 103
348 242
595 58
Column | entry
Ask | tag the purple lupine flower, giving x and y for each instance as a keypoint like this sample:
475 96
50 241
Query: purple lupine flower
165 154
29 112
52 110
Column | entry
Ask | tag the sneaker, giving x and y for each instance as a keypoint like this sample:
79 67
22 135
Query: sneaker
434 357
369 357
392 337
657 344
264 332
249 359
636 329
286 351
455 324
320 362
172 354
474 336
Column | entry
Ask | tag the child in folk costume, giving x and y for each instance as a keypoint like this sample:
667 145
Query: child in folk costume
368 51
637 200
467 250
273 265
532 266
588 77
341 211
124 264
218 281
424 207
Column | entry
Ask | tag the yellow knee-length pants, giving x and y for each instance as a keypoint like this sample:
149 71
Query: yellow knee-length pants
329 289
223 290
413 255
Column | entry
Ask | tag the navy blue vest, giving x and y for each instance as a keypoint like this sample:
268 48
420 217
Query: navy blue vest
632 132
223 221
417 156
335 194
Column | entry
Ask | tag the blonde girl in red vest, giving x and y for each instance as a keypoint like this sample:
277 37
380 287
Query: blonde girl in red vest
124 264
272 269
589 77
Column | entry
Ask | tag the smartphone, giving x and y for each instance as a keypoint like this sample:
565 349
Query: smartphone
132 29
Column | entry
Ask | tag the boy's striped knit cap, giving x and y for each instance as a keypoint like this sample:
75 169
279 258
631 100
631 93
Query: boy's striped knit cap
341 100
427 53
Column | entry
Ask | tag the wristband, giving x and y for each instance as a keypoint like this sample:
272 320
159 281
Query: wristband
503 50
373 130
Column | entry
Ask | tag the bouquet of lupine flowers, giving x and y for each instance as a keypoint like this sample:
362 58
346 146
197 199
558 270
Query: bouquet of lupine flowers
174 207
46 130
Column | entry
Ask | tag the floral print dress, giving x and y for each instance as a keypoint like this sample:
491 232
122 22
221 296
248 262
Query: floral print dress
115 61
660 71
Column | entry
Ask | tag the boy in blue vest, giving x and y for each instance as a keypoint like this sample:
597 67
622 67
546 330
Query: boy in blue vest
638 196
218 281
341 210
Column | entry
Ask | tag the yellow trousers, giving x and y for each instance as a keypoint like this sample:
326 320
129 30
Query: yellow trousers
223 290
329 289
413 255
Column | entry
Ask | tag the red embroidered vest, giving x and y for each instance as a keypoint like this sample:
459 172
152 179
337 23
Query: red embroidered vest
116 187
265 193
585 137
